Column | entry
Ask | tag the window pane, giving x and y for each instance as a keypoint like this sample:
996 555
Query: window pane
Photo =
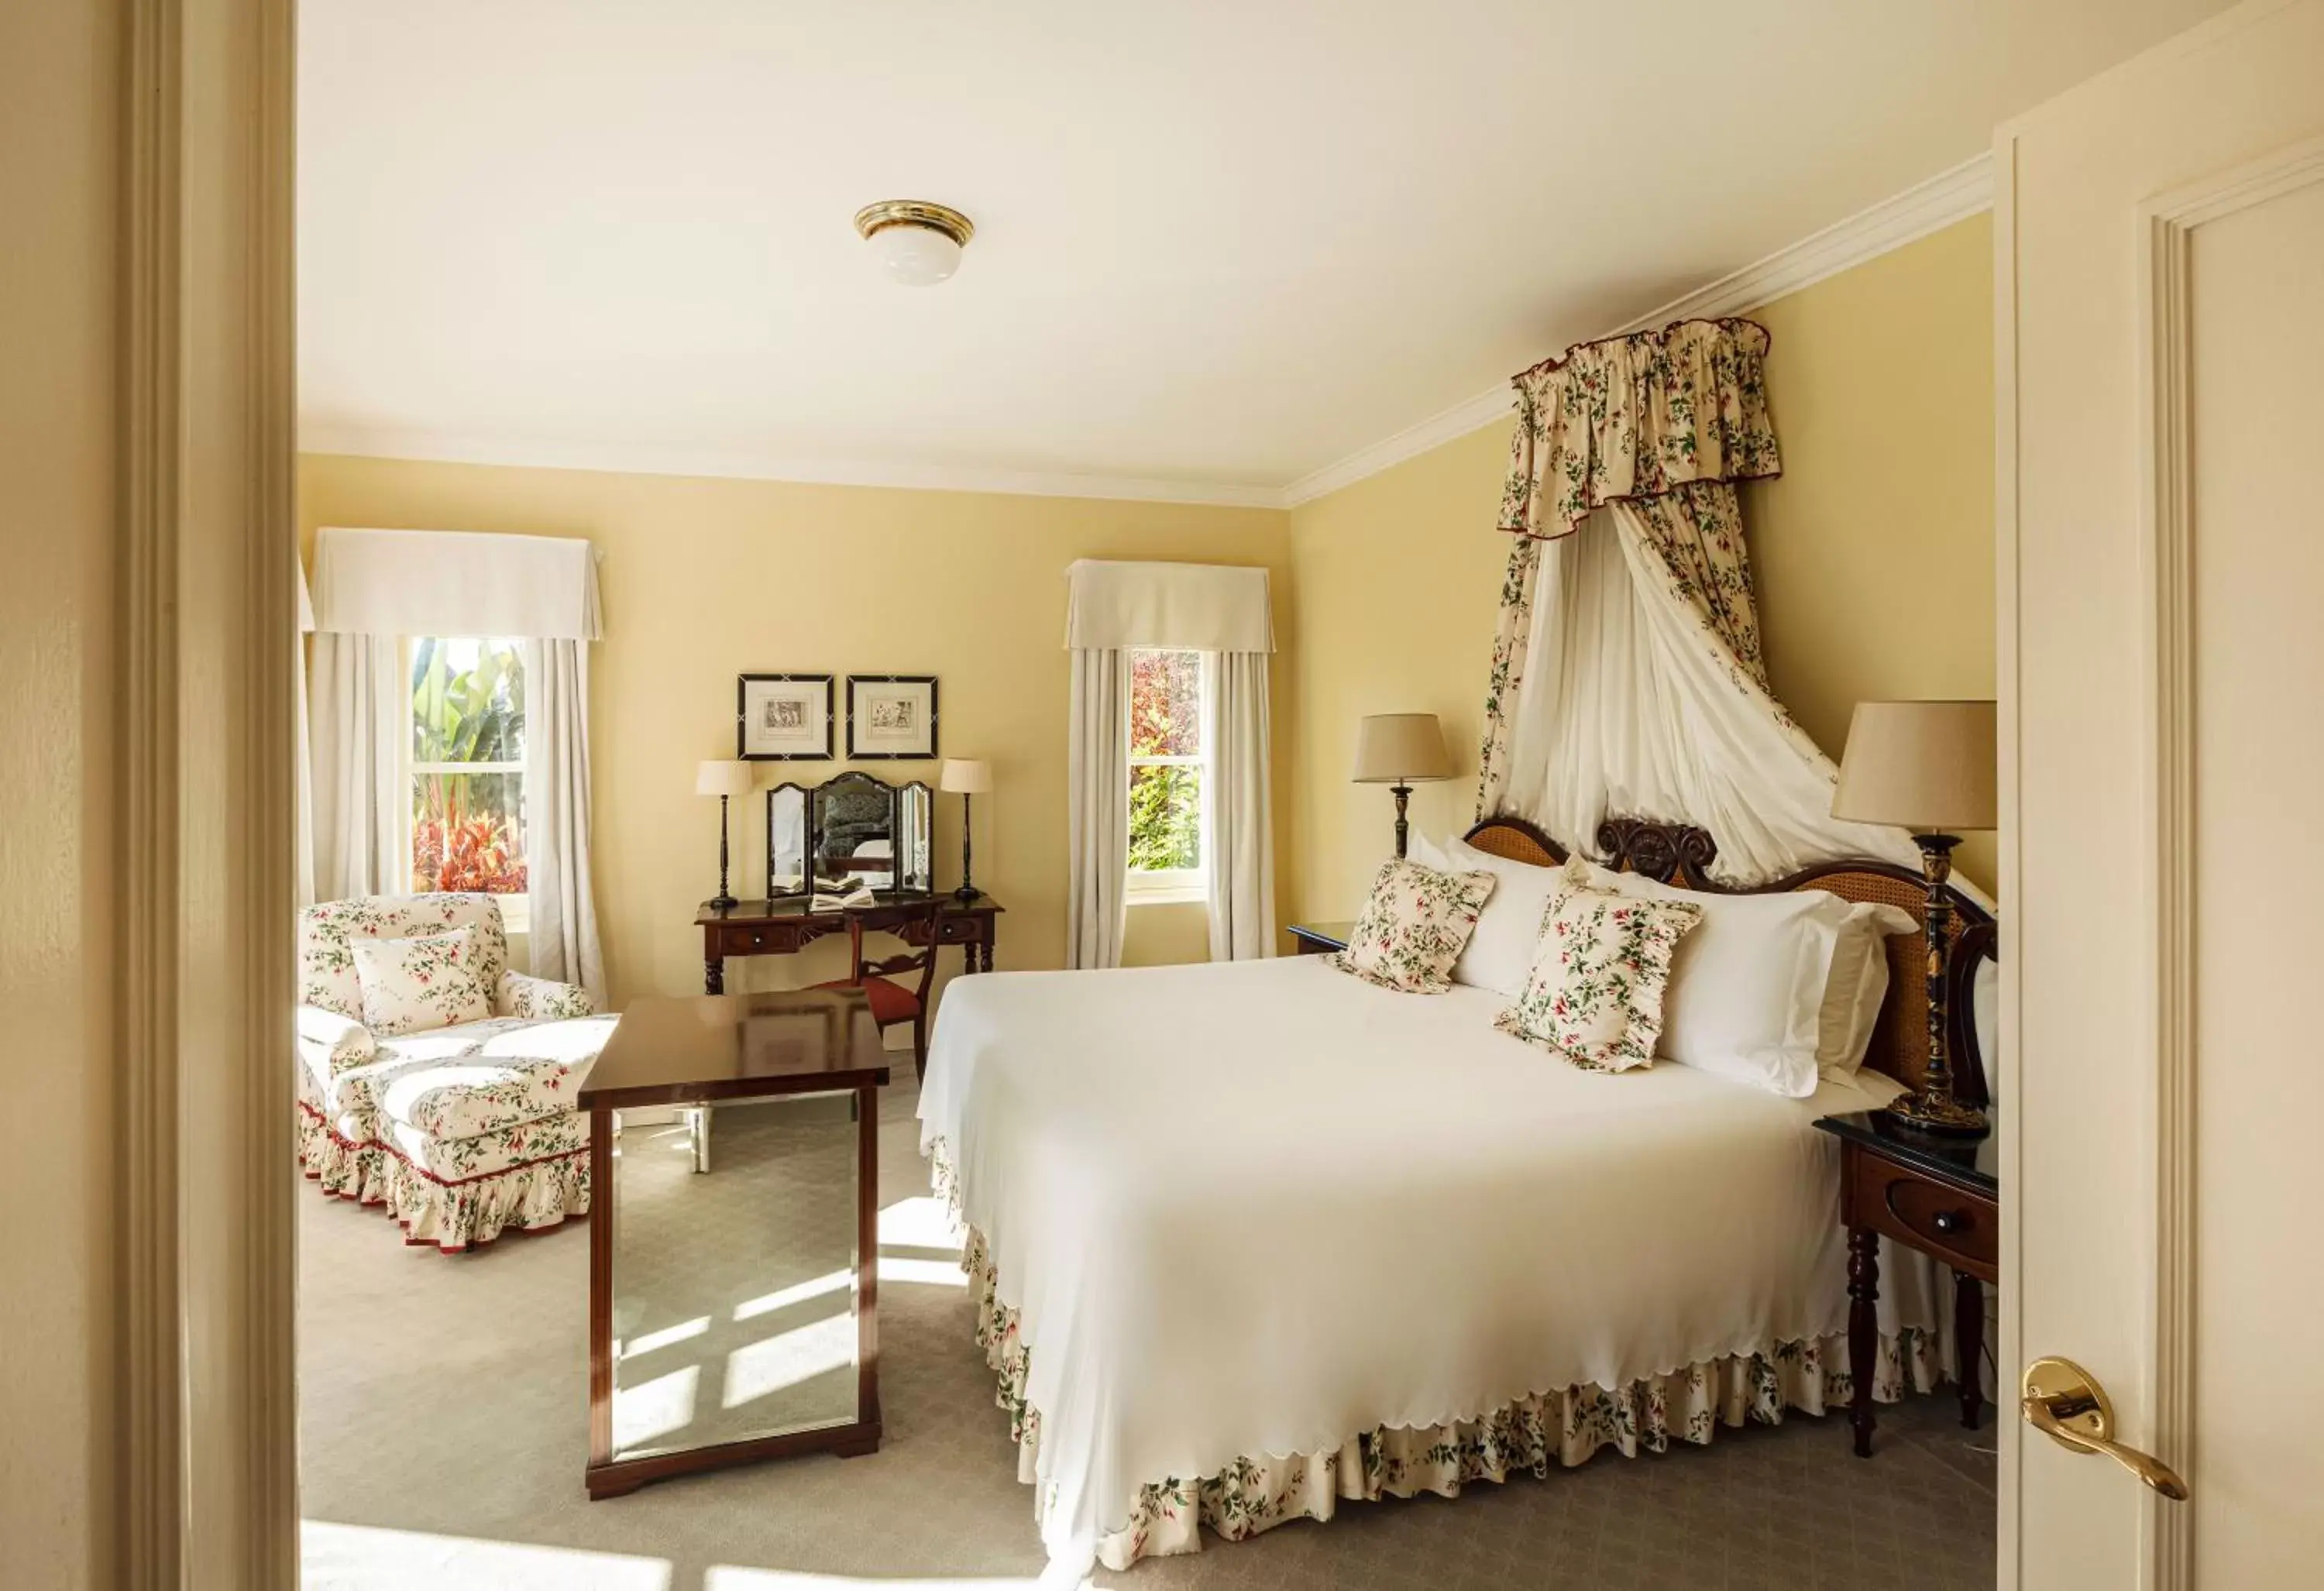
467 700
1166 817
467 832
1166 708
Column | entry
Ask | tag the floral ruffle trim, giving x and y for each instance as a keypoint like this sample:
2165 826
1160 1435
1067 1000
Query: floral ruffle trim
452 1217
1256 1493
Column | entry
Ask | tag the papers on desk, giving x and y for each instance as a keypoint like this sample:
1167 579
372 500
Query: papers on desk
839 895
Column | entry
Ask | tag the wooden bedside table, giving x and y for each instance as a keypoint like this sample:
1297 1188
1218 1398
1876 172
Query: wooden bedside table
1939 1196
1317 939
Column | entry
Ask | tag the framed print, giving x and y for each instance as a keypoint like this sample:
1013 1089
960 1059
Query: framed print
891 716
782 717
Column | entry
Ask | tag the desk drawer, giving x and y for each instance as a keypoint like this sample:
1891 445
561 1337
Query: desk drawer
953 929
1962 1229
743 939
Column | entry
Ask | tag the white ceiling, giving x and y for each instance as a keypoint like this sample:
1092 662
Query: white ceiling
1223 244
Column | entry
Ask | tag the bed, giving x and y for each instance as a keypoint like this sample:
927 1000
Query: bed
1249 1239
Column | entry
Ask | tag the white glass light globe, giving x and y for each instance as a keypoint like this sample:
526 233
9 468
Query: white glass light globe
915 256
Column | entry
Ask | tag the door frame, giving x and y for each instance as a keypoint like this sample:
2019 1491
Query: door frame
204 1417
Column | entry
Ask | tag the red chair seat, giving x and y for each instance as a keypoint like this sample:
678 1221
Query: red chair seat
890 1002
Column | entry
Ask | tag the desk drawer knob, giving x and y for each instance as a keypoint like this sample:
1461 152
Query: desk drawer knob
1951 1222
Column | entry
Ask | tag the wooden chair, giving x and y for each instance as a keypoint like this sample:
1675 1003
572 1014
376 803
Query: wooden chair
892 1001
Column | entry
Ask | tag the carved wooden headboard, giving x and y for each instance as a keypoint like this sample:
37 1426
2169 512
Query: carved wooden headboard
1680 854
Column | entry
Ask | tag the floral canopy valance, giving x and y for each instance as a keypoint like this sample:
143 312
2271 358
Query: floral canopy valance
1637 417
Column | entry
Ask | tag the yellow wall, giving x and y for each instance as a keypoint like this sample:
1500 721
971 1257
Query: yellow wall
706 579
1873 553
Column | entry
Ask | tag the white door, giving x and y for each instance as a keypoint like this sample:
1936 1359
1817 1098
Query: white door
2161 316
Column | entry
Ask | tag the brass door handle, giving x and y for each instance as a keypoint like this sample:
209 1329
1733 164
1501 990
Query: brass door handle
2065 1402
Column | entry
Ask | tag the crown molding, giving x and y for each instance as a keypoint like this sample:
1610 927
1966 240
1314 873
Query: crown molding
628 458
1950 195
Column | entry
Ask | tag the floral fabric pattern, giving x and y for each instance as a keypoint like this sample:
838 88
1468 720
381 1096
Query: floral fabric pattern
1660 425
434 980
544 999
1637 417
467 1097
1413 927
1595 993
529 1178
329 931
1562 1428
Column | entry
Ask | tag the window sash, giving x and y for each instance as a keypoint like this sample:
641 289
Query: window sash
516 906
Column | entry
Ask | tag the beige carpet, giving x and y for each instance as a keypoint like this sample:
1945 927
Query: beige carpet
444 1420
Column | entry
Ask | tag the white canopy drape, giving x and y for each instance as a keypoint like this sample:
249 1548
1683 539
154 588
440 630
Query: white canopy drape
1626 676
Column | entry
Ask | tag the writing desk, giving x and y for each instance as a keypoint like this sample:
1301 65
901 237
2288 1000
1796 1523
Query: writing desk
783 927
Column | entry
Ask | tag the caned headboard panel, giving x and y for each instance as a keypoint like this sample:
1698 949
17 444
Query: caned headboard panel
1680 854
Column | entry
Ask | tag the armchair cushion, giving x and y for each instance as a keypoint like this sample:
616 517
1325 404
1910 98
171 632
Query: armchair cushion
329 931
544 999
516 1077
432 980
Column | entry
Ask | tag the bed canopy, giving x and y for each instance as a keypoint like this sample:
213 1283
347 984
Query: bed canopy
1627 679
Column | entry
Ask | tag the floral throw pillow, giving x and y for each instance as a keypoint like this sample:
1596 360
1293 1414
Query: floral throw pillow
1595 993
1413 927
432 981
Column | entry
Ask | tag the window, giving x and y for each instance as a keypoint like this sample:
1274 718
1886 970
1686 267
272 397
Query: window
465 755
1169 757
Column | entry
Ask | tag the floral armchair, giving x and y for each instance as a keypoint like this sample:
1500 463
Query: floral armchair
457 1116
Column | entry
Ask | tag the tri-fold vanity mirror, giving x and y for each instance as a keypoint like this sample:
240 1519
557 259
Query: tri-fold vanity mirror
852 824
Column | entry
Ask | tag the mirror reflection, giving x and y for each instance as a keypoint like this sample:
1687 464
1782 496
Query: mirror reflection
733 1257
915 823
786 839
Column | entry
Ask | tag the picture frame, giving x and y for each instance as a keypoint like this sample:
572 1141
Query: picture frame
891 717
782 717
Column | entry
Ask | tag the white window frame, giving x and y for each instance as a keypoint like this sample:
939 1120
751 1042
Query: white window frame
1174 886
516 910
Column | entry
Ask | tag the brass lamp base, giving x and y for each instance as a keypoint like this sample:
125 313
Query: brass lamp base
1941 1114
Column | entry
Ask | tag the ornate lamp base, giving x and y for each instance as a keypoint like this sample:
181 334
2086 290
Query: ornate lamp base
1941 1114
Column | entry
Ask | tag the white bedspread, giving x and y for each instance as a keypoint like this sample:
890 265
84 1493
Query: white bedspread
1259 1206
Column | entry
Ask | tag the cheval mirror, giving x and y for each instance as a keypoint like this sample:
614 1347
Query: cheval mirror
854 825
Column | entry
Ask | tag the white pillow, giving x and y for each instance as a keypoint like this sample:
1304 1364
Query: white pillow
1748 985
1859 983
1499 955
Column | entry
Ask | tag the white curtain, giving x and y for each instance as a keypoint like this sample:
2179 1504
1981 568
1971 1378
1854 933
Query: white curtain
1630 703
1241 809
352 699
1098 826
303 799
563 940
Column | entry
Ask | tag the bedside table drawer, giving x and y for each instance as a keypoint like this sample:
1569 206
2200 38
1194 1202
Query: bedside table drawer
1959 1228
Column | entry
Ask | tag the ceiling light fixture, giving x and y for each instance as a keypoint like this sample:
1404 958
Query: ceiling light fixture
918 243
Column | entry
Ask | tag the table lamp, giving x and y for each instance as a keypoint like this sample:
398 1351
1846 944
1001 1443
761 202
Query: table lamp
1400 750
1927 767
723 780
969 777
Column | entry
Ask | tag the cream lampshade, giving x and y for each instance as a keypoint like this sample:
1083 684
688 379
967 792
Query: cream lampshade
722 779
967 778
1927 767
1400 750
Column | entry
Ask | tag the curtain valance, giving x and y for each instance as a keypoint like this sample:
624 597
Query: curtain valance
454 583
1202 607
1637 417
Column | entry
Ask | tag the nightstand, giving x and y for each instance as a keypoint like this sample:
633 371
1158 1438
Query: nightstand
1939 1196
1317 939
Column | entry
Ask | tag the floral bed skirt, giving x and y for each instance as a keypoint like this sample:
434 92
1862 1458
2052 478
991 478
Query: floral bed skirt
451 1213
1258 1492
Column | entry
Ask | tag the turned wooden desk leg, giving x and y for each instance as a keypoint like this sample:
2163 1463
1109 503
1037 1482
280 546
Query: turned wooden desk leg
1863 1330
714 974
1969 1344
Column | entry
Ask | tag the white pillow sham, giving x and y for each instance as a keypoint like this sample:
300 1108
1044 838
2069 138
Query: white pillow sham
1499 955
1768 986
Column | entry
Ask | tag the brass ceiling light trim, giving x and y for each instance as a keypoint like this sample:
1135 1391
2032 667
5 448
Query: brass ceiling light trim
934 217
